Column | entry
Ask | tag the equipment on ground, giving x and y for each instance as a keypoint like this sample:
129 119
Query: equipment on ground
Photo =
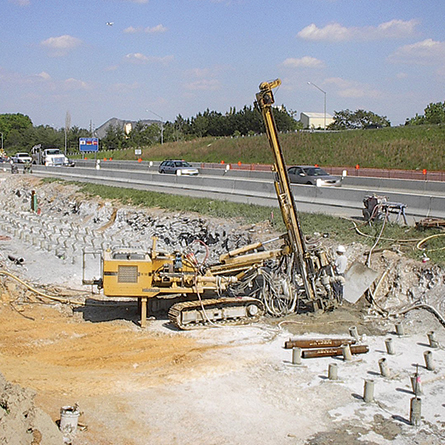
377 207
244 284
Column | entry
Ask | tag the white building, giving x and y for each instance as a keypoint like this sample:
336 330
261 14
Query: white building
315 120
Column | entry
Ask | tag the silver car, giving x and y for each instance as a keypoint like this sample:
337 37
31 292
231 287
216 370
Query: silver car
177 167
309 174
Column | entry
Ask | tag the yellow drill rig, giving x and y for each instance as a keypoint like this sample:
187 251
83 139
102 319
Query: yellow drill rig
245 283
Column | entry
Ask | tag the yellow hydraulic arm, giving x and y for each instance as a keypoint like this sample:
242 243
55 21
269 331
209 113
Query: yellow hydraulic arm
295 241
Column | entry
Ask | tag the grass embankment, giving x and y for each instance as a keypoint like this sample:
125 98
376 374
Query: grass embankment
406 148
340 230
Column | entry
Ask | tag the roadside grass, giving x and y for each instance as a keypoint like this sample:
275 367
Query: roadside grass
407 148
339 230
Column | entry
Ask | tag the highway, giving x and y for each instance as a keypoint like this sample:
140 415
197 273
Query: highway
421 198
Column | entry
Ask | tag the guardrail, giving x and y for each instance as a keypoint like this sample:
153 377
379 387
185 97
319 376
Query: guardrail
238 188
357 171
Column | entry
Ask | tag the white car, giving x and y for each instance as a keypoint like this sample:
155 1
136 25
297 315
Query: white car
312 175
21 158
177 167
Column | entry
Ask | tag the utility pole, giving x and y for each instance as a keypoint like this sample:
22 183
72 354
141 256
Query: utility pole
161 126
324 107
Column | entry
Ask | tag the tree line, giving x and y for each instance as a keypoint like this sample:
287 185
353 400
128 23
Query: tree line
19 134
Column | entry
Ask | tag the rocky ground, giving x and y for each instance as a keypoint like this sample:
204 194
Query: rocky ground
230 385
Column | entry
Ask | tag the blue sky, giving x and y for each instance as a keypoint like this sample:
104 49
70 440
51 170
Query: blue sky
182 57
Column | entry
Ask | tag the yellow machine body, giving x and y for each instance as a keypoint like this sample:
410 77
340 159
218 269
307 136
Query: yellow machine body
127 274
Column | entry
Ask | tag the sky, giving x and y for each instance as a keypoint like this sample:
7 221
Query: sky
83 62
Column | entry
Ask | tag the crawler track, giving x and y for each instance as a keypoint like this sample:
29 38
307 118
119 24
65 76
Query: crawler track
220 312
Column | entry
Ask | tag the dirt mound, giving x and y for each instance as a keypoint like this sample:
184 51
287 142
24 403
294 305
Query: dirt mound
21 422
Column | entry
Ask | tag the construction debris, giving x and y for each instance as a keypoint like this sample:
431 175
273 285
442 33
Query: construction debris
427 223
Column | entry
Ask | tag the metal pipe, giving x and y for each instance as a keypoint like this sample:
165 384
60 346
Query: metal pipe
400 330
353 332
332 352
333 371
389 346
296 356
416 384
317 343
415 411
346 350
384 370
368 391
428 355
432 339
16 260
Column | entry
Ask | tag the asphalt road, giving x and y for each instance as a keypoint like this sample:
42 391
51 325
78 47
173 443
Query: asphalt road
421 198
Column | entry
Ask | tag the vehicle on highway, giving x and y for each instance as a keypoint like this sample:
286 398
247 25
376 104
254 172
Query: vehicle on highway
21 158
313 175
50 156
177 167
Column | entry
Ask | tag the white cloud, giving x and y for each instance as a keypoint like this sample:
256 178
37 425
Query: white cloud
150 30
138 1
20 2
139 58
132 30
303 62
204 84
352 89
125 87
426 52
75 84
334 32
136 58
43 76
60 46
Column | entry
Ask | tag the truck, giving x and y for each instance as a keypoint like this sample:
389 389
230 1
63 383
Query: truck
278 277
50 156
21 158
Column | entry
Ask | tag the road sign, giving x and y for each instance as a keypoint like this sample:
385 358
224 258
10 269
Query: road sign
88 144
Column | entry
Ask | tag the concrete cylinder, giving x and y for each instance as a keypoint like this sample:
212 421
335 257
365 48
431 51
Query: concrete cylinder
347 355
416 384
432 339
296 356
368 391
400 329
384 370
389 346
353 332
429 362
415 412
333 371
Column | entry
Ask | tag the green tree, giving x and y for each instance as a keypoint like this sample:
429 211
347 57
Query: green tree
348 120
435 113
13 127
115 138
